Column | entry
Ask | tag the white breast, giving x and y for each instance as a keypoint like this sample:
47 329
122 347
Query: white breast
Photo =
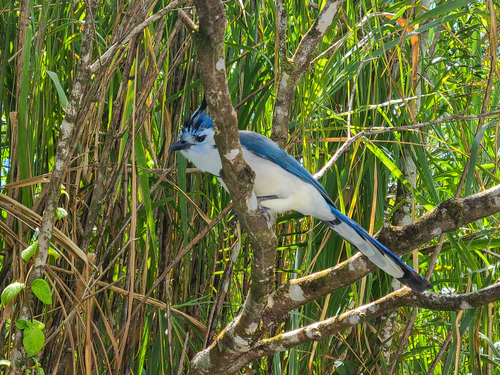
293 193
270 179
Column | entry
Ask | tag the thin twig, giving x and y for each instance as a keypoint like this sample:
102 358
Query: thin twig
187 21
106 57
440 353
404 339
392 129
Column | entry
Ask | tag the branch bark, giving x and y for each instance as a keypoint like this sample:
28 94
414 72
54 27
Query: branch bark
291 70
238 177
400 298
448 216
70 126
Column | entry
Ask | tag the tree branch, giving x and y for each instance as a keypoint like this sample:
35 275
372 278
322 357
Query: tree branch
448 216
69 127
245 330
293 69
400 298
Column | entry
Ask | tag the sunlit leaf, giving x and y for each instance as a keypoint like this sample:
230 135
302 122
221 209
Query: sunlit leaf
61 212
27 253
11 291
60 91
33 340
41 290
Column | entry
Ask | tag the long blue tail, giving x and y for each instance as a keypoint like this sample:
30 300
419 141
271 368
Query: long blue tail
378 254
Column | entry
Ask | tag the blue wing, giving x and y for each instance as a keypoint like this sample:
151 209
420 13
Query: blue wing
347 228
262 146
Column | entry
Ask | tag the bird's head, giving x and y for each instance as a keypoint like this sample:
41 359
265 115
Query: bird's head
197 133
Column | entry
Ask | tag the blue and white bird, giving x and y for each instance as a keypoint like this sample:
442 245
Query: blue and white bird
283 184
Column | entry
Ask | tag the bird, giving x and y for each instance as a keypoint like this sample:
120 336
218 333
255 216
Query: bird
283 184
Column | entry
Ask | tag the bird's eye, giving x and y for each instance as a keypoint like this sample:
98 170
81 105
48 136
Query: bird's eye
200 138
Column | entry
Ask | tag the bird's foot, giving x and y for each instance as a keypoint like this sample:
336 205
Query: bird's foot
270 216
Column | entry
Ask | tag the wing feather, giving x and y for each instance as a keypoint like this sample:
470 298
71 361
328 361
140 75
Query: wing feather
262 146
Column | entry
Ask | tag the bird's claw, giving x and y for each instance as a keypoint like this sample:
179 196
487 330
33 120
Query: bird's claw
269 216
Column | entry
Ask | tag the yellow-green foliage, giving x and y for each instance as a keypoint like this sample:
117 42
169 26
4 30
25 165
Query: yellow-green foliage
362 78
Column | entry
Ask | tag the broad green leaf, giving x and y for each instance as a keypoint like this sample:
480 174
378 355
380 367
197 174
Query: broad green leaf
41 290
11 291
33 340
61 212
22 324
29 251
4 362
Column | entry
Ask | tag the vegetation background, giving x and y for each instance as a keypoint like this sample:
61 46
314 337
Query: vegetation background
140 223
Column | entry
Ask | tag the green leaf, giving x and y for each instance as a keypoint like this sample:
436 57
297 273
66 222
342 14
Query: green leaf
41 290
4 362
144 185
54 253
29 251
62 191
60 91
344 367
11 291
474 150
446 8
36 324
393 168
61 212
33 340
22 324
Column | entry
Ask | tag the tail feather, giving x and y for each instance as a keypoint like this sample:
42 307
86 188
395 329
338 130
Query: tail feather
377 253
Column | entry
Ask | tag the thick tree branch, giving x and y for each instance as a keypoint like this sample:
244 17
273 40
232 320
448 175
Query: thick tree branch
291 70
238 177
448 216
400 298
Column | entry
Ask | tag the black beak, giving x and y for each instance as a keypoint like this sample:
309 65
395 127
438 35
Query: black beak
179 145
